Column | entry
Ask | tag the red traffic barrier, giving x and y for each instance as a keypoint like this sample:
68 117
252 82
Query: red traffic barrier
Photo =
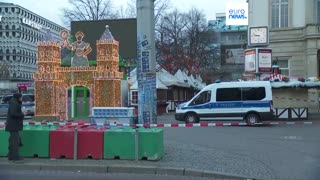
90 143
61 143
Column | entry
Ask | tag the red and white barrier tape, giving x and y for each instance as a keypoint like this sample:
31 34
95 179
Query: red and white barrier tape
174 125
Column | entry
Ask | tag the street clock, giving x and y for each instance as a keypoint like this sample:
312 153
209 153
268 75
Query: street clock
258 36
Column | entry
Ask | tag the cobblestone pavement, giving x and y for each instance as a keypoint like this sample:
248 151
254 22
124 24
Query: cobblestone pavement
267 152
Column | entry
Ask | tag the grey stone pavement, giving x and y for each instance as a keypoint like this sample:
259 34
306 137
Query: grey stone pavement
64 175
285 152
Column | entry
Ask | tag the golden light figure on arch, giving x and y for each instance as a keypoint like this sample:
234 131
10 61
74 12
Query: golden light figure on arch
52 81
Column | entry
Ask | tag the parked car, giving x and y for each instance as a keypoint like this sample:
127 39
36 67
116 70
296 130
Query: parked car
28 104
3 110
26 98
28 109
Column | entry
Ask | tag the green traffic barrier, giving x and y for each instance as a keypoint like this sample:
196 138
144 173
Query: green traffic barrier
35 140
4 142
150 143
119 143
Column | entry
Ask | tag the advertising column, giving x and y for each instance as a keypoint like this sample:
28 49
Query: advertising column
258 61
146 69
265 60
250 61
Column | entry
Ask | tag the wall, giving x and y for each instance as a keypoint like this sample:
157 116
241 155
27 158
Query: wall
296 97
258 13
287 97
298 12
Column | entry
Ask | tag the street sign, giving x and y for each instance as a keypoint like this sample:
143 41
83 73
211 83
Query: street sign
24 84
22 88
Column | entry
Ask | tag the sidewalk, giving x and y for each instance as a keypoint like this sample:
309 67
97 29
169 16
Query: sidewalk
110 166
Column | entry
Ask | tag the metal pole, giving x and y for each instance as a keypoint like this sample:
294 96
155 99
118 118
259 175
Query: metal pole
72 101
146 69
136 144
75 144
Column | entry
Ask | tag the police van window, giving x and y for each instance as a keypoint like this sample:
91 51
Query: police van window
253 93
229 94
202 98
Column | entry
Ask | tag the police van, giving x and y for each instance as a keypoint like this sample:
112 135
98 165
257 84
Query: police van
250 101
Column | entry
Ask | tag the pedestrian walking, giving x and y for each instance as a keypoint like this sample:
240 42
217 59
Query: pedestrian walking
13 126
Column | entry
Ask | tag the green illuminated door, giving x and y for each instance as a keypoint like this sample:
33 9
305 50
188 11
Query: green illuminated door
78 102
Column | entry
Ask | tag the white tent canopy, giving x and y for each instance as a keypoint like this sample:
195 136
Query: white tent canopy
194 82
159 84
164 78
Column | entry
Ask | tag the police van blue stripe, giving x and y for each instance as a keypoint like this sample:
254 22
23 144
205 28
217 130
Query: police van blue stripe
230 104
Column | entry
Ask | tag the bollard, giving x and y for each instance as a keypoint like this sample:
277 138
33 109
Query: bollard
136 144
75 144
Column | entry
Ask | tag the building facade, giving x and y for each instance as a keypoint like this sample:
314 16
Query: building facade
20 30
294 27
229 46
294 33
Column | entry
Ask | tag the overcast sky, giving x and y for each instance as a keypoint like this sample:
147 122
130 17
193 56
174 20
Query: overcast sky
51 9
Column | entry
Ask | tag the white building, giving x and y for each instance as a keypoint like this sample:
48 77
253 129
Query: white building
20 30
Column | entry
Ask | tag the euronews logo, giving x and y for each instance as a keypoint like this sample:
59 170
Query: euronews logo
237 14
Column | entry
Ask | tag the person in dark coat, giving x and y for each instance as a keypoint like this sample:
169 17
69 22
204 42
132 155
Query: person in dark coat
14 125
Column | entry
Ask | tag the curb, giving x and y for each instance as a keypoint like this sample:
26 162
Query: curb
136 169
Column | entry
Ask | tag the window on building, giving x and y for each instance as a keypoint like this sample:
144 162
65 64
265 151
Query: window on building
13 27
7 34
279 13
1 58
202 98
13 34
284 67
12 10
6 10
229 94
134 97
0 34
7 27
7 51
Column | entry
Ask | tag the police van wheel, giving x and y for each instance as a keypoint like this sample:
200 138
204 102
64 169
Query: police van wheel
191 118
252 118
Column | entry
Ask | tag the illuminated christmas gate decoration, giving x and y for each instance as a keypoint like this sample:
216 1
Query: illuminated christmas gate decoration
52 81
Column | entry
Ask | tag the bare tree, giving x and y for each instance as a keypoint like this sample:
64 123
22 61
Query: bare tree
170 40
198 40
88 10
185 42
